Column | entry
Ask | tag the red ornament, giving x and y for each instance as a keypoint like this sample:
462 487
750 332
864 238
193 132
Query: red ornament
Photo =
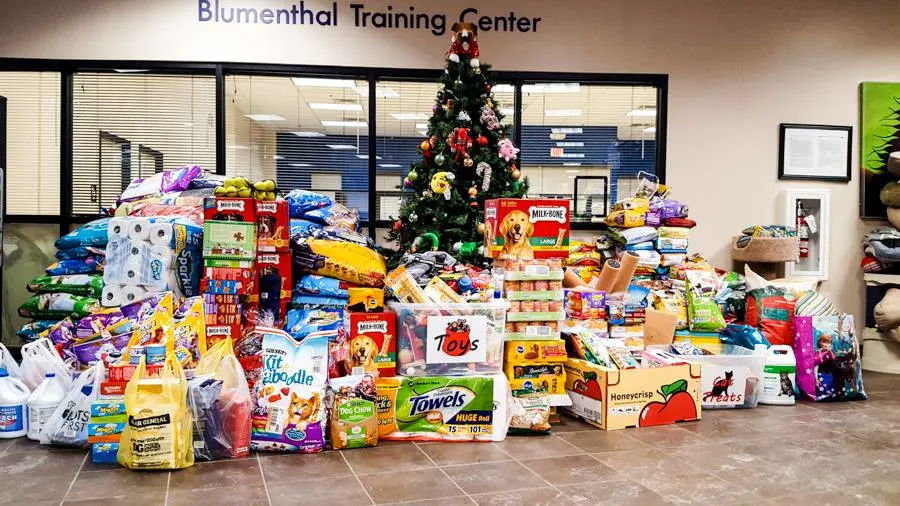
482 141
397 226
426 153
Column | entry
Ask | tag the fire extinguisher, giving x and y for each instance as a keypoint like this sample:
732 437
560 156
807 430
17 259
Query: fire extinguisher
802 231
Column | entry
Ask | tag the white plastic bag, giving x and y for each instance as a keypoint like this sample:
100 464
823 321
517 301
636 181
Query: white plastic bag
68 425
39 358
9 363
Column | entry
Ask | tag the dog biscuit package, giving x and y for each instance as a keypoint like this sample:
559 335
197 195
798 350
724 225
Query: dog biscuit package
443 408
272 225
372 343
354 418
526 228
290 405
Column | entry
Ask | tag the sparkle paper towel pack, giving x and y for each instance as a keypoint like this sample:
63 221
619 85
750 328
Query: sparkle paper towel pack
149 255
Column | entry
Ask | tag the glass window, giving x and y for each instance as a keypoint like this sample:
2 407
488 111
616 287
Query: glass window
128 125
32 137
403 109
304 132
27 250
587 142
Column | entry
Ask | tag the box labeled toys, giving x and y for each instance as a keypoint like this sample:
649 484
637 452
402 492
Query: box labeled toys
372 343
642 397
526 228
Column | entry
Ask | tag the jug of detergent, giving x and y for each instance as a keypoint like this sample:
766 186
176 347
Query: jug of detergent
42 403
13 394
779 376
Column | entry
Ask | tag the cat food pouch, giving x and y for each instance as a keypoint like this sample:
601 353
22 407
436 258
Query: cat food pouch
354 418
290 408
189 332
704 314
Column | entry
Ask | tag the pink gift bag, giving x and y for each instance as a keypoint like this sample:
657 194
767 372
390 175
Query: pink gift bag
828 358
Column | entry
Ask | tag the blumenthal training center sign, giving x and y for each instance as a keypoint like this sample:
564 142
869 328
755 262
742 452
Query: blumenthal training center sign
359 16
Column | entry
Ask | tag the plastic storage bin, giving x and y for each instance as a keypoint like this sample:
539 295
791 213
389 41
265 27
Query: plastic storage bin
731 379
450 339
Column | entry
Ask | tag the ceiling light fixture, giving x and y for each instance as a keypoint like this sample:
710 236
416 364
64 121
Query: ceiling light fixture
366 157
409 116
277 157
341 146
650 130
323 82
421 126
379 92
566 130
300 165
309 133
556 113
336 107
572 164
570 144
264 117
643 112
358 124
389 165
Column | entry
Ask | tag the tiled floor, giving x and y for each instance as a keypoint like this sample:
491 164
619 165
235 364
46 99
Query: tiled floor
847 453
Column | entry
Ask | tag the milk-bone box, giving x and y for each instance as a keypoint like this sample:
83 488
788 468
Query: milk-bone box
526 228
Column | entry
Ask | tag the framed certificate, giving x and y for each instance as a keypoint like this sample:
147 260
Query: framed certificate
814 152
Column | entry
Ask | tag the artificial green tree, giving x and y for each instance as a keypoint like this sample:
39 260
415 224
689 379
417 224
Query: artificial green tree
467 158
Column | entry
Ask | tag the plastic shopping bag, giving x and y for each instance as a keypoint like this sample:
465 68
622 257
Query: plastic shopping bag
39 358
68 425
158 432
220 404
9 363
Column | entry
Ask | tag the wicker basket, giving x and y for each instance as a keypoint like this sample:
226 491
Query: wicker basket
765 249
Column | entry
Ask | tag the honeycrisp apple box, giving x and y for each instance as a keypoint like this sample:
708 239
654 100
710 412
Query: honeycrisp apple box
642 397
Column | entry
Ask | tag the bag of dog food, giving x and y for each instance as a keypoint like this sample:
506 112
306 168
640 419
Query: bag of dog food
347 261
354 419
57 305
302 201
158 434
86 285
79 252
703 312
771 310
32 330
336 215
828 358
87 265
90 234
290 409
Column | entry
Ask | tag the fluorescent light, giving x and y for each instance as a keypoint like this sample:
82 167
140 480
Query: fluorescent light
507 111
336 107
366 157
503 88
423 133
277 157
389 165
300 165
572 171
643 112
562 112
650 130
409 116
264 117
422 126
341 146
572 177
129 71
309 133
572 164
324 83
379 92
570 144
578 130
344 123
551 88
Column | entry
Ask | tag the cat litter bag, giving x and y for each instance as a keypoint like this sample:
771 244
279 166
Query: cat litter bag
828 358
90 234
703 312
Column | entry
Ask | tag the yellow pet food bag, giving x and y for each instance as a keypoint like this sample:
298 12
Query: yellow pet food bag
158 433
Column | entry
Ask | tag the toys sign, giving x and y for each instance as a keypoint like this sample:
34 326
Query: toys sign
456 339
723 386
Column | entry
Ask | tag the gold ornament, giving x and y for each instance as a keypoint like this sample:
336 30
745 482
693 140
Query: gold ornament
425 146
468 162
516 174
473 192
480 228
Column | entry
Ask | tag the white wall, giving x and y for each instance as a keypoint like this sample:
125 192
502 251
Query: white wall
736 70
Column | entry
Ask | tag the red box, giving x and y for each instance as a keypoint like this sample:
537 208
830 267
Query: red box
526 228
214 319
216 333
273 229
372 341
273 269
113 388
124 372
229 209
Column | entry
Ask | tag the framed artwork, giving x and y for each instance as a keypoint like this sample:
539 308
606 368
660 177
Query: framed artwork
814 152
879 123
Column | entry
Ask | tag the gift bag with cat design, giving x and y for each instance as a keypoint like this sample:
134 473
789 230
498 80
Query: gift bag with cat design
290 408
828 358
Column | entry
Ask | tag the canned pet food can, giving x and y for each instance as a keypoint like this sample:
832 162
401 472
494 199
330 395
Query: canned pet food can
135 354
156 353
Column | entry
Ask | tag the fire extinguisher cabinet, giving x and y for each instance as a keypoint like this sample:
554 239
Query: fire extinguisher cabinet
808 208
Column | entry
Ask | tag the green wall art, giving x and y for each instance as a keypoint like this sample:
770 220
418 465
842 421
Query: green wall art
879 137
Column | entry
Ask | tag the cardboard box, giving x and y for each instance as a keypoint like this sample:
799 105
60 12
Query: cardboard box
104 453
526 228
113 388
229 240
231 209
372 341
102 408
616 399
273 228
542 377
526 352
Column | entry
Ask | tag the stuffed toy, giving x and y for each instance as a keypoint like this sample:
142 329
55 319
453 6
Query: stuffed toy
507 150
460 142
465 43
440 183
887 314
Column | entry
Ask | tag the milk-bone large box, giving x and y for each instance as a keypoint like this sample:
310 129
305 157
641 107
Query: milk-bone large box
526 228
639 397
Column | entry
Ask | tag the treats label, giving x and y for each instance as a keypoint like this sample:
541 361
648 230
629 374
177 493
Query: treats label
723 386
456 339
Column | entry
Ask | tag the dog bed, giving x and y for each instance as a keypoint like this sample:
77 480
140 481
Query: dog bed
764 249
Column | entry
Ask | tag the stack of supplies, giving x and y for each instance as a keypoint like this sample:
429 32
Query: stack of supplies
105 428
534 289
537 366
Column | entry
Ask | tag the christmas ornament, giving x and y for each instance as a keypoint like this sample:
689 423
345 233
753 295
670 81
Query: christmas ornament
465 249
463 116
427 194
468 162
448 105
398 225
425 146
433 140
516 173
480 228
489 118
440 159
487 87
460 142
413 217
473 196
507 150
426 241
412 176
458 84
426 153
434 109
476 65
516 186
484 170
407 183
482 141
465 42
441 183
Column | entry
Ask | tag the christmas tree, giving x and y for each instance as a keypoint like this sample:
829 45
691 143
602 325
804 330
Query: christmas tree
467 158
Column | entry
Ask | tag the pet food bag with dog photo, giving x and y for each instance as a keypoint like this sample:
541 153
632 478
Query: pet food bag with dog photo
704 314
828 358
771 310
290 410
354 418
68 425
158 433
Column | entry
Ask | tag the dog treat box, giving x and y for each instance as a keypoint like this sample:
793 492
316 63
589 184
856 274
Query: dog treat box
526 228
371 338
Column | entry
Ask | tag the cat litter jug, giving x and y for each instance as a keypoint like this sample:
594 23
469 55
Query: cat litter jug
42 403
779 376
13 394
